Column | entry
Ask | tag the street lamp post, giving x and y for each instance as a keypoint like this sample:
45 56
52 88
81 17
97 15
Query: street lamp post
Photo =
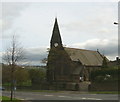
116 23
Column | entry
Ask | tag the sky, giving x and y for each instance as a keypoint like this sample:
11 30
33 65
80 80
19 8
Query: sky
83 25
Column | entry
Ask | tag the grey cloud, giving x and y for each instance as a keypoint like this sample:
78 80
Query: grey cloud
109 50
10 11
33 56
96 22
97 28
36 55
105 46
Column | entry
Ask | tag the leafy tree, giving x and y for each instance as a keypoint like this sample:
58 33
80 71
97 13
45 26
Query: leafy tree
37 76
6 73
21 75
104 63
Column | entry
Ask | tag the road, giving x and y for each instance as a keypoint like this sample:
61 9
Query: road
65 95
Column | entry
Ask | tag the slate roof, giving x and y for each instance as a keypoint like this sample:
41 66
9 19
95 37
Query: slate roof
86 57
77 70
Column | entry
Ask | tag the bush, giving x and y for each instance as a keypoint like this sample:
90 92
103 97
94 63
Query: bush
99 78
77 87
108 74
20 75
37 76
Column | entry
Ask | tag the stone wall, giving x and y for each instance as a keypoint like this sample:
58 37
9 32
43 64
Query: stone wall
109 86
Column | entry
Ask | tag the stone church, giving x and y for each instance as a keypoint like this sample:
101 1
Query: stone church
70 65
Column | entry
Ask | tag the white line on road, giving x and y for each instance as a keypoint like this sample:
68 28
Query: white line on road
84 98
48 95
65 96
94 99
22 99
61 96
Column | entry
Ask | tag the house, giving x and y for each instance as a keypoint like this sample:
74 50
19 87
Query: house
115 63
70 65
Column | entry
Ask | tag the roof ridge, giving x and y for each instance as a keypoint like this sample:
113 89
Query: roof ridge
80 49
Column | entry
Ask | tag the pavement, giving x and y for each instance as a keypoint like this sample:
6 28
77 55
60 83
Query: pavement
62 96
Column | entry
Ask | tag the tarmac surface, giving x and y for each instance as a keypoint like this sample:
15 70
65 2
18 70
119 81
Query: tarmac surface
62 96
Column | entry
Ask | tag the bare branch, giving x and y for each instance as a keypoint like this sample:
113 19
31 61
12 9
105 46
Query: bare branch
14 53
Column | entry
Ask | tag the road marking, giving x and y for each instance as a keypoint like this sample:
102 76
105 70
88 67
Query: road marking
22 99
98 99
48 95
84 98
66 96
61 96
91 98
94 99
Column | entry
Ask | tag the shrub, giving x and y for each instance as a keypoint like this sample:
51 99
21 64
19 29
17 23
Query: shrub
110 74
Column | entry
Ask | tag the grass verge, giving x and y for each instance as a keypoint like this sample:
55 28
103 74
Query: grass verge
48 91
7 99
105 92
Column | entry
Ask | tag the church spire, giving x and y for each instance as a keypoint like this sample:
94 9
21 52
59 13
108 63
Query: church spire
56 38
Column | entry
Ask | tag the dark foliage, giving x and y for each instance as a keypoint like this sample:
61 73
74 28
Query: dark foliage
105 75
104 63
37 76
20 74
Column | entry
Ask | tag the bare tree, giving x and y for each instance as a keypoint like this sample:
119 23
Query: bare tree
12 56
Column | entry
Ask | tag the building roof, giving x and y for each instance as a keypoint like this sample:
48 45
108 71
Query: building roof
86 57
77 70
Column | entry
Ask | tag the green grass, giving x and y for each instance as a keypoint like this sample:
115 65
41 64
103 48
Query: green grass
105 92
29 90
27 83
7 99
